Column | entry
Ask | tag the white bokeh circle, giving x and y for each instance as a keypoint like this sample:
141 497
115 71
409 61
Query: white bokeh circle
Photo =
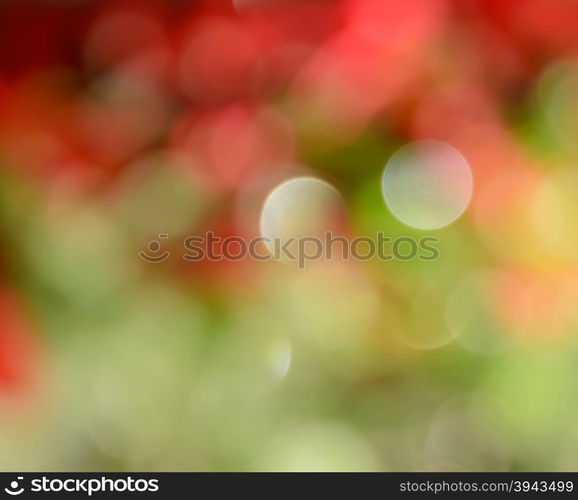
427 184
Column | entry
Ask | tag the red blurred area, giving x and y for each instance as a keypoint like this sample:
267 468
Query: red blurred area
236 144
37 35
19 351
343 61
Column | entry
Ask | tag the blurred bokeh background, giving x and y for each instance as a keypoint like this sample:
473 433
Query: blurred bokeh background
122 120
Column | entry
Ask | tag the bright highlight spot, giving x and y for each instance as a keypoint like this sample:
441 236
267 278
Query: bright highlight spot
279 361
298 208
427 184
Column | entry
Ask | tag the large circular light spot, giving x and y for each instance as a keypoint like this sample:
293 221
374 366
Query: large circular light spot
427 184
468 433
426 326
298 208
475 311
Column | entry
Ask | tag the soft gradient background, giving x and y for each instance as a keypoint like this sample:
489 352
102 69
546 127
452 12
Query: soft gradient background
122 120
